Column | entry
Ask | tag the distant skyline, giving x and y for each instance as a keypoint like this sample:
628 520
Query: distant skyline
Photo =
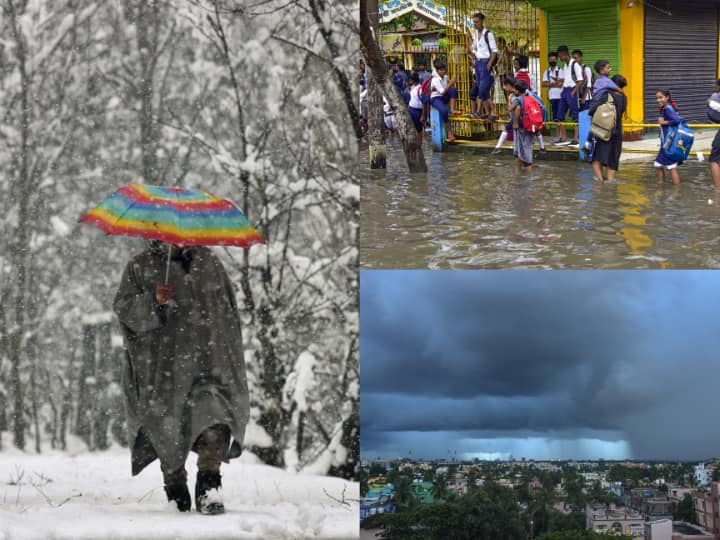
540 364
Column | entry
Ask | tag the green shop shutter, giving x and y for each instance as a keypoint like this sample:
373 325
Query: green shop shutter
681 48
592 28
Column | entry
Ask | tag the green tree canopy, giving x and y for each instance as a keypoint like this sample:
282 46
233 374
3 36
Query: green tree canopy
684 510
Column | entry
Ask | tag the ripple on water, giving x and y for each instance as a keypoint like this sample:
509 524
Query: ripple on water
473 211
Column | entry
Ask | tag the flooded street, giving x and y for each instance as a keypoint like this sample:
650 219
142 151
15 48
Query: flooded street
477 211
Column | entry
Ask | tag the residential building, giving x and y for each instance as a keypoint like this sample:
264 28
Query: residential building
703 475
707 508
659 530
378 501
676 493
611 520
657 508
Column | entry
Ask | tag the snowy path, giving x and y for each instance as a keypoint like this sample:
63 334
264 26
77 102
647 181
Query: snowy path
93 496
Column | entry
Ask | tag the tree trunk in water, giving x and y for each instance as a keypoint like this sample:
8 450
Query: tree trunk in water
376 118
376 66
376 125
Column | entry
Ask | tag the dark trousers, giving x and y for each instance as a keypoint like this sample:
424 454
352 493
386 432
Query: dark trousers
211 447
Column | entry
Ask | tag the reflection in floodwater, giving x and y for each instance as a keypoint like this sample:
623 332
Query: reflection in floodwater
633 205
473 211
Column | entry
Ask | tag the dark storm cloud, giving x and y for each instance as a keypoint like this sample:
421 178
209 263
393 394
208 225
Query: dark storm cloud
595 355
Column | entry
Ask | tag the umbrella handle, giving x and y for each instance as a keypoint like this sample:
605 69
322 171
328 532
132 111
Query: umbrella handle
167 270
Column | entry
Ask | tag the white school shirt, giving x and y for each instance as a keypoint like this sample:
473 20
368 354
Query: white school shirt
551 75
567 74
438 85
480 47
415 101
588 78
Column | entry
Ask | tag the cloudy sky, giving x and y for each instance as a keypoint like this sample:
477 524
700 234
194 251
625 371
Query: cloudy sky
544 365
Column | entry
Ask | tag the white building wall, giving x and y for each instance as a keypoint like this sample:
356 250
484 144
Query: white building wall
658 530
703 476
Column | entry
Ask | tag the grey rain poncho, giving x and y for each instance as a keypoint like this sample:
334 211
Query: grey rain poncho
184 369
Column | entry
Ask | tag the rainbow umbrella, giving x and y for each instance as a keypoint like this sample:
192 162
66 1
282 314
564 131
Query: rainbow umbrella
184 217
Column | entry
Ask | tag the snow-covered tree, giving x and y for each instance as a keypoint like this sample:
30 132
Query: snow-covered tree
250 102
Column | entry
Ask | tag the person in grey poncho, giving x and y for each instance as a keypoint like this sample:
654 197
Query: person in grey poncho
184 375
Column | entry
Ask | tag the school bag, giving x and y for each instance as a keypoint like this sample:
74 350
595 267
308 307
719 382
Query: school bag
533 118
525 77
426 90
604 120
713 114
584 86
676 145
539 100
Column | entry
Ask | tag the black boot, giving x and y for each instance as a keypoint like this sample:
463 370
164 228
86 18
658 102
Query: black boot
180 494
208 503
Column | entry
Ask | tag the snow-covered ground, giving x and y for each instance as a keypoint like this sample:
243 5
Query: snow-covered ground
92 496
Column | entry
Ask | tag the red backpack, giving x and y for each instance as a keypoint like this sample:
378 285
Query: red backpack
532 114
426 91
524 76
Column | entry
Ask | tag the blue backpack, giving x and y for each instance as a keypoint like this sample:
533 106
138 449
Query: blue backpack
676 145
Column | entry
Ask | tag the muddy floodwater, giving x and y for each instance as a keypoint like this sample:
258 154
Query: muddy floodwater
477 211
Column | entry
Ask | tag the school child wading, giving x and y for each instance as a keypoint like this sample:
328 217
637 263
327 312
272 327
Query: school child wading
443 95
714 115
609 100
523 139
669 117
507 134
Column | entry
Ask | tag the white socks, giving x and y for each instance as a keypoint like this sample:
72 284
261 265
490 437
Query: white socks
501 140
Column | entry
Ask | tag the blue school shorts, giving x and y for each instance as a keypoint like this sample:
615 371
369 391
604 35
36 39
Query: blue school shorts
483 79
554 108
441 103
568 103
416 115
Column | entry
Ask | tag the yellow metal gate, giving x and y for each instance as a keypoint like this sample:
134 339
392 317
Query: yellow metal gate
515 26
